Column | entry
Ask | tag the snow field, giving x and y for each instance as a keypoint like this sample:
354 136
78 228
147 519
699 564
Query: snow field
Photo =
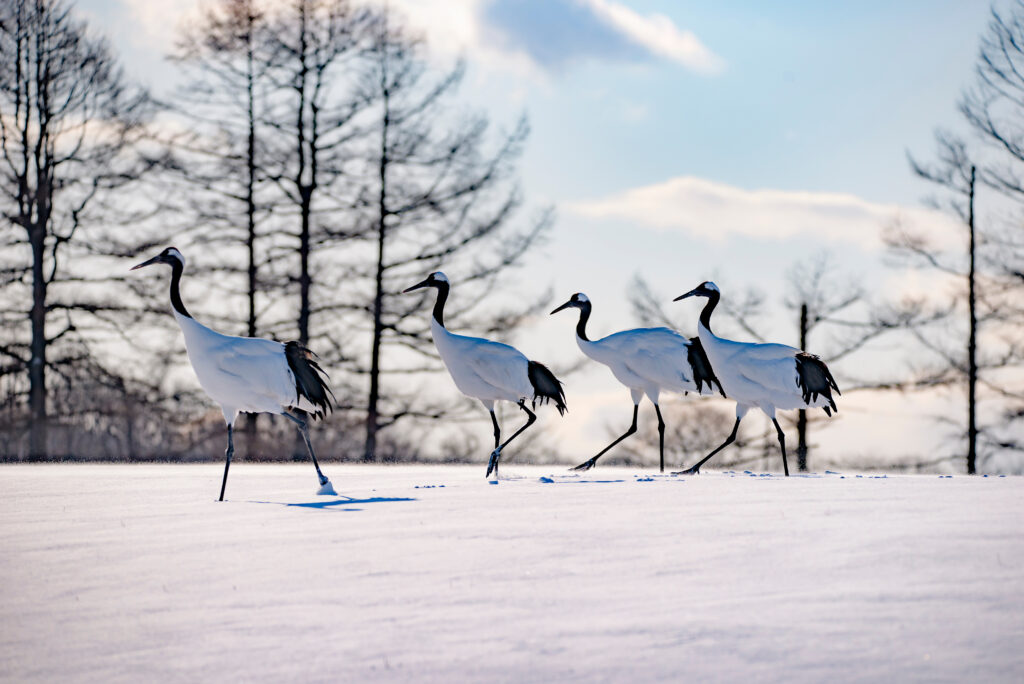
128 573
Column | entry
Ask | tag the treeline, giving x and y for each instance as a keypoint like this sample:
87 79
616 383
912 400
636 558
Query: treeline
312 163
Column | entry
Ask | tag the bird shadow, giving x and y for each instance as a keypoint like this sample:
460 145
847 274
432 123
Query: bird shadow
339 504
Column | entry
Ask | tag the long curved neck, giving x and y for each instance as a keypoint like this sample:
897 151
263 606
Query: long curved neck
581 325
176 269
705 315
442 297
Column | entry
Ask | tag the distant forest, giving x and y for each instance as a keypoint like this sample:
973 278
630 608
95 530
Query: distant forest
312 162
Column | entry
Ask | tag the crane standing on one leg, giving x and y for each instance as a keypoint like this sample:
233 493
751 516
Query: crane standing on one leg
250 374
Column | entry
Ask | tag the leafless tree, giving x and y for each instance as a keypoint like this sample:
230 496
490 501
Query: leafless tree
219 159
437 190
969 339
71 129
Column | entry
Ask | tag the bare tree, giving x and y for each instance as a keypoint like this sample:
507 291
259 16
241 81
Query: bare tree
965 352
70 130
220 160
994 109
438 190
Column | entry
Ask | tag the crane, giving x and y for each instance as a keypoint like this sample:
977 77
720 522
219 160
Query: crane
490 371
250 374
764 376
646 360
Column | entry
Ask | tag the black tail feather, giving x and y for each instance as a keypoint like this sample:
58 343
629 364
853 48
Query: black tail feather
546 387
310 378
701 365
815 379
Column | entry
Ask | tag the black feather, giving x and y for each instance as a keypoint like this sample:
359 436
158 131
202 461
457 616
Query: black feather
310 378
546 387
814 378
701 365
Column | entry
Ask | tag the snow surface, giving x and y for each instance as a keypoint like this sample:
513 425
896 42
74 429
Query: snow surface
128 573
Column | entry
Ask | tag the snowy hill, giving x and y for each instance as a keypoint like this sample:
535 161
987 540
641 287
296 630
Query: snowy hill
127 573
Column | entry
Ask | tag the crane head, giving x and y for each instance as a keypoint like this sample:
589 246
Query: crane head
433 280
169 256
577 301
705 289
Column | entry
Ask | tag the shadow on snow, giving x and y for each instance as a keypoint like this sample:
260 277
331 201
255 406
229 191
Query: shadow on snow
343 502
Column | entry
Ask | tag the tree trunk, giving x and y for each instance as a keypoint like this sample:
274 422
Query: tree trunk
250 208
305 190
801 420
37 361
972 342
372 417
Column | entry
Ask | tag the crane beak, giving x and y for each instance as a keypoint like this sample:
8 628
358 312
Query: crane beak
423 283
150 262
564 306
692 293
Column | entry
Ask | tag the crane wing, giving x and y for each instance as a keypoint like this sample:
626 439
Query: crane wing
655 354
254 366
499 365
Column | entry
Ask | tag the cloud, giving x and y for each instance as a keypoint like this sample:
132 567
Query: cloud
555 33
716 211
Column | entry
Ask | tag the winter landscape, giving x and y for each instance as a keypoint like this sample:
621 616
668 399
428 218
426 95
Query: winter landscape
127 573
511 341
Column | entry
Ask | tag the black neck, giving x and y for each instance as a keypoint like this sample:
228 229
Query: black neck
442 297
705 315
581 325
176 269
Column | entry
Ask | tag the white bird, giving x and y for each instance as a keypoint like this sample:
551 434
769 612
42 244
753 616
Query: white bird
490 371
249 374
765 376
646 360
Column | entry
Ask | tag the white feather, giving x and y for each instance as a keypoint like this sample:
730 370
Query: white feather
242 374
483 369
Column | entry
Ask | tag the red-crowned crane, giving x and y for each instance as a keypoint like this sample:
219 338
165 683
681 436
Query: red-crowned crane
490 371
646 360
249 374
765 376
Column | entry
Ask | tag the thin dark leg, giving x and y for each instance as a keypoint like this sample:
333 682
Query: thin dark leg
661 436
496 454
729 440
227 461
303 426
587 465
782 443
497 430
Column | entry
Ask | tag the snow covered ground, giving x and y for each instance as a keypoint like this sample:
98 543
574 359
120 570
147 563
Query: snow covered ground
129 573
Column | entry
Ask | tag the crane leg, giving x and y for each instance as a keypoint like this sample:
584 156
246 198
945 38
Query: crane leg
782 443
303 426
497 430
661 436
587 465
227 461
496 454
729 440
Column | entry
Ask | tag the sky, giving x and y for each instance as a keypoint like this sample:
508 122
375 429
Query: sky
685 141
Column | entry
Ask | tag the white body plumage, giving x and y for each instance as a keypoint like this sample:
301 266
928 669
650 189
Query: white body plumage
241 374
482 369
758 375
645 360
